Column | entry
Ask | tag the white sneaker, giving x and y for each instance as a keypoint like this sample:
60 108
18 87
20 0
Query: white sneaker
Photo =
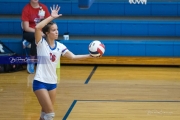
30 68
26 44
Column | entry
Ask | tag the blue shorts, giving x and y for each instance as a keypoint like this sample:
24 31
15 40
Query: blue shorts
40 85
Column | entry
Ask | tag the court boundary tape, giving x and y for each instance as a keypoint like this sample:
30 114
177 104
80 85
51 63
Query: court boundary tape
131 100
75 101
69 110
91 74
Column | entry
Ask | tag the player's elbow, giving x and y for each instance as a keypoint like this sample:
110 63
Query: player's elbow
37 27
72 57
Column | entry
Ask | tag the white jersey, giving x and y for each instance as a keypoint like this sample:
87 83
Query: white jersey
47 61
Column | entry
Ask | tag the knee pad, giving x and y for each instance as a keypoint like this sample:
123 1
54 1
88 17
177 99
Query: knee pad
49 116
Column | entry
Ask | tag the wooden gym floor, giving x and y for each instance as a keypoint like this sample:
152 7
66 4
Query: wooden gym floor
97 93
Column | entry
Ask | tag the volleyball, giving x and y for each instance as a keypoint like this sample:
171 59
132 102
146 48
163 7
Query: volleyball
96 48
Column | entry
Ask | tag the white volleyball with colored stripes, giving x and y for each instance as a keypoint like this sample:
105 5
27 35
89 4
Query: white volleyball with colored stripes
96 48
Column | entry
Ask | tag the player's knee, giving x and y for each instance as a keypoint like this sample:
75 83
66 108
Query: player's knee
49 116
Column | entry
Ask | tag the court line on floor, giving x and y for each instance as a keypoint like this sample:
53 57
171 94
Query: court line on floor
75 101
132 100
70 109
91 74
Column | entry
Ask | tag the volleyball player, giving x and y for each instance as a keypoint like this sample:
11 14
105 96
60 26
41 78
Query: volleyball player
49 52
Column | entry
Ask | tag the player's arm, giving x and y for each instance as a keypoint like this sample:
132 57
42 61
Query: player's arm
39 26
72 56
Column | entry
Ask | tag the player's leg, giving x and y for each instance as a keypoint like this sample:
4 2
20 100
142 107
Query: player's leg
45 102
41 91
52 94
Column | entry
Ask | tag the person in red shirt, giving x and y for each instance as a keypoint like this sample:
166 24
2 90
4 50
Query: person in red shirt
32 14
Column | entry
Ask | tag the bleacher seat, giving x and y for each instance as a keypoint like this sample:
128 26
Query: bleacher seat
151 30
105 27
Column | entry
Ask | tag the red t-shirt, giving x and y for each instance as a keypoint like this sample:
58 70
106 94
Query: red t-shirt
30 14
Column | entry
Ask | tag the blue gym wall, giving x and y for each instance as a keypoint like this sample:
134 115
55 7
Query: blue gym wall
157 19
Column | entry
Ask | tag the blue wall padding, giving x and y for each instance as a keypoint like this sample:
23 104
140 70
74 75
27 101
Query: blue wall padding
137 10
9 7
111 48
159 48
132 48
66 6
77 47
77 11
133 28
10 26
145 26
178 9
150 48
107 7
76 27
14 44
62 26
177 25
176 49
158 28
166 9
111 8
103 27
107 28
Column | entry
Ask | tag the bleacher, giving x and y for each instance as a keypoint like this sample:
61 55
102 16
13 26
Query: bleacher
133 34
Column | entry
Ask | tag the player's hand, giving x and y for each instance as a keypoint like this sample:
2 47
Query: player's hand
95 56
54 11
